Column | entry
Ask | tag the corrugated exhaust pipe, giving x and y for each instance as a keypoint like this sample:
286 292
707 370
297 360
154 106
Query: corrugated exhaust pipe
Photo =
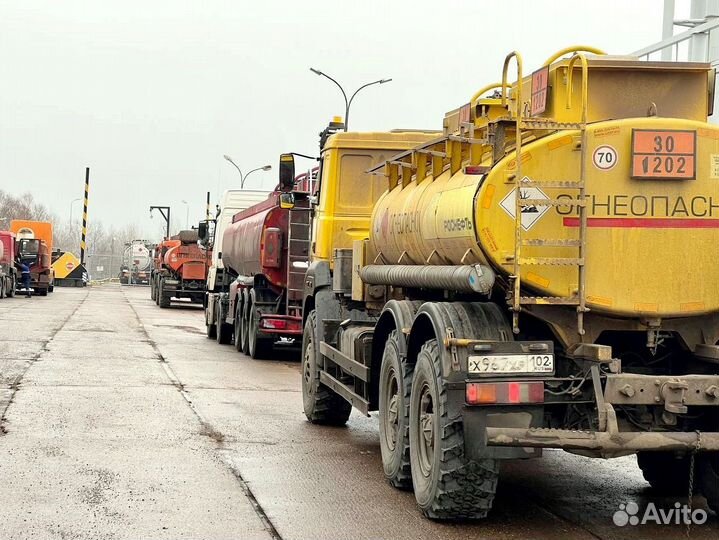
468 278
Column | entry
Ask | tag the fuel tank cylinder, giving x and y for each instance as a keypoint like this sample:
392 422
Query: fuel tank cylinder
178 256
651 238
253 243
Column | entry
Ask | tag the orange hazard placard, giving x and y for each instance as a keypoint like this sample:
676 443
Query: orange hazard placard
664 154
540 80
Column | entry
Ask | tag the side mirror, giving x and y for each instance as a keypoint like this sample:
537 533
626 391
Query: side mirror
287 172
202 231
287 200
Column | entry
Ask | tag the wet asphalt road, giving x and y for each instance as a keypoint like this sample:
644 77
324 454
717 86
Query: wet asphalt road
122 420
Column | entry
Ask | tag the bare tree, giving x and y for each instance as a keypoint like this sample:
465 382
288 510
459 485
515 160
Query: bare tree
104 246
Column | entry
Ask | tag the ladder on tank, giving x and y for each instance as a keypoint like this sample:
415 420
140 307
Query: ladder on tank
298 256
577 299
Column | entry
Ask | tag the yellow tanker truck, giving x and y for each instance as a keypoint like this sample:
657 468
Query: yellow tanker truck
542 275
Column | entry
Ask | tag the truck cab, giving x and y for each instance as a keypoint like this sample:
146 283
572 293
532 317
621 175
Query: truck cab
232 202
346 192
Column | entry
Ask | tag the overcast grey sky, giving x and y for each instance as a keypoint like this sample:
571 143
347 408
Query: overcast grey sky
150 94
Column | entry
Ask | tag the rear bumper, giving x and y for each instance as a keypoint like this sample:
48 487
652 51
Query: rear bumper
618 442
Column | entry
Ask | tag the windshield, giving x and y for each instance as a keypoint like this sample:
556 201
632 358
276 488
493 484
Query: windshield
29 247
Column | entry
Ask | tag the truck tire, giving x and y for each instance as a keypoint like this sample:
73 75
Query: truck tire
11 291
210 328
163 298
42 292
224 330
321 405
153 290
395 384
237 326
259 347
708 471
245 322
446 484
2 287
665 472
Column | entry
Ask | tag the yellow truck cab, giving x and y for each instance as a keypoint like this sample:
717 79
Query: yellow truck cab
347 192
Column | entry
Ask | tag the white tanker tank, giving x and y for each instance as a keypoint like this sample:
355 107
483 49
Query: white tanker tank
135 265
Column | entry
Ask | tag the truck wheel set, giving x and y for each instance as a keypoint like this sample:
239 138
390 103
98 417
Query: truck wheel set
492 289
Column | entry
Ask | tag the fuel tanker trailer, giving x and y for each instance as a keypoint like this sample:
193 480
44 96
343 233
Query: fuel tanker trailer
136 263
265 251
542 275
182 270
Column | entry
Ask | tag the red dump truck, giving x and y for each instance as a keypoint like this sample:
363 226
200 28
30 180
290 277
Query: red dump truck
182 270
265 251
8 272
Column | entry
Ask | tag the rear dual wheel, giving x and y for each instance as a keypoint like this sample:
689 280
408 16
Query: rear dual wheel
237 326
153 290
163 297
245 324
666 472
708 471
224 330
446 484
669 474
259 347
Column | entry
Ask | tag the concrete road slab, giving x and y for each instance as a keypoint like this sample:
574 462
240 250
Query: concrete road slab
123 488
23 349
101 413
110 371
12 370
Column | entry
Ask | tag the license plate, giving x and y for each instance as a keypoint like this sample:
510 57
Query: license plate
664 154
511 363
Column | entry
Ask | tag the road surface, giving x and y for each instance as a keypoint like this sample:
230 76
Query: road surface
122 420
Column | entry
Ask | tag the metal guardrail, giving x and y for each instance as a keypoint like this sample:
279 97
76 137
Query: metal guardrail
678 39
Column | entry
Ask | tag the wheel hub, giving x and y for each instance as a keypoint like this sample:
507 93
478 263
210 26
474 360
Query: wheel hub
426 431
308 370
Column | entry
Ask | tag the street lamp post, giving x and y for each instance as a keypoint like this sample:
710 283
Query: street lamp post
71 203
187 214
348 102
165 211
112 256
243 177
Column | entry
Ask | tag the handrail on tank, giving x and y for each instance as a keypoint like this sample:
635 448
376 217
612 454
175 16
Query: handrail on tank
478 94
572 49
585 75
517 179
505 88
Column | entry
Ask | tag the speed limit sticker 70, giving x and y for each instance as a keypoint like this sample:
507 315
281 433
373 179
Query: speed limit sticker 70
604 157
